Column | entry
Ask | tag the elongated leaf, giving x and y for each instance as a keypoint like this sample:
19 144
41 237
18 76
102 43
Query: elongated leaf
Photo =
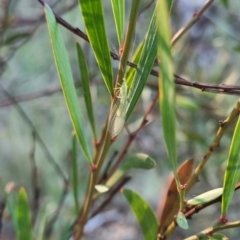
23 217
145 64
232 172
144 214
139 160
135 59
75 172
206 197
86 87
66 79
118 7
182 221
166 83
94 21
170 3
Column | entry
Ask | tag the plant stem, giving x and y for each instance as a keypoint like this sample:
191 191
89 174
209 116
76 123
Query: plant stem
79 227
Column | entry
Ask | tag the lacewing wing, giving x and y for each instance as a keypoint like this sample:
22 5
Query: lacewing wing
118 112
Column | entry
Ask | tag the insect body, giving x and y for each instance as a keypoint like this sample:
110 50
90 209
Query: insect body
118 112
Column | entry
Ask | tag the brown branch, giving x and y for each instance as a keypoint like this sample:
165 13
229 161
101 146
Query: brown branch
34 181
32 96
194 19
212 88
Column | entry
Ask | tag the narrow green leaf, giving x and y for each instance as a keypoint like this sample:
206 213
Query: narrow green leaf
135 59
232 172
206 197
66 79
139 160
118 7
166 83
182 221
86 87
13 38
148 56
144 214
75 172
170 4
24 229
92 12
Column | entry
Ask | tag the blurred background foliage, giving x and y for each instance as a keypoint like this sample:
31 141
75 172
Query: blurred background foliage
208 53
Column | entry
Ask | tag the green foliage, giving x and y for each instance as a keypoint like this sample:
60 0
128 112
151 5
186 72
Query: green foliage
24 230
166 83
89 186
66 79
144 214
92 13
118 7
232 172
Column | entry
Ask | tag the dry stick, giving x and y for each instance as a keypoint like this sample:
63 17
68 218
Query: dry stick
2 207
38 21
4 20
215 88
34 180
213 146
214 229
194 19
41 142
146 6
32 96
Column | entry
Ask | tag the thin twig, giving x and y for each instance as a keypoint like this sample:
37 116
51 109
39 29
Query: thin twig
2 207
212 88
146 6
213 229
34 180
194 19
32 96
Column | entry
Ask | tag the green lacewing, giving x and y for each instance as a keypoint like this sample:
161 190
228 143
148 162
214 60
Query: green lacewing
118 112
